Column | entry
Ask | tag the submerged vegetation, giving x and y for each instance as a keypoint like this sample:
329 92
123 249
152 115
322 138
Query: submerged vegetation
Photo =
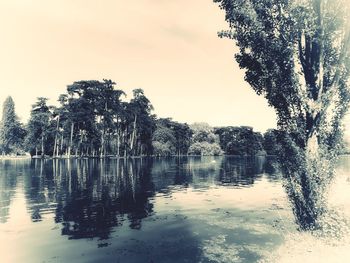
94 120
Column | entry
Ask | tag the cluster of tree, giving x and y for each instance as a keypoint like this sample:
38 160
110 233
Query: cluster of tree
93 120
204 141
240 140
171 138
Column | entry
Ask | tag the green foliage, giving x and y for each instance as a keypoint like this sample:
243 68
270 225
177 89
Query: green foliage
239 140
12 132
183 135
205 149
163 148
202 132
89 114
164 134
177 137
92 120
204 141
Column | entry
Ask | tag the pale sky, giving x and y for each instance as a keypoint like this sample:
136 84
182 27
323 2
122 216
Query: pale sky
169 48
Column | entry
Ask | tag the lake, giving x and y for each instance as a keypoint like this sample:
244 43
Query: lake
186 209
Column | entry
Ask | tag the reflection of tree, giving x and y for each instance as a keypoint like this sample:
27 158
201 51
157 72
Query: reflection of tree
182 175
241 171
170 171
39 188
203 171
95 195
8 183
91 197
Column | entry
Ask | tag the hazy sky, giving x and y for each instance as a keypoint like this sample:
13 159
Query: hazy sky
169 48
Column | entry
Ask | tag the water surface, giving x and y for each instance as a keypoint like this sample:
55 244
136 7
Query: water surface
194 209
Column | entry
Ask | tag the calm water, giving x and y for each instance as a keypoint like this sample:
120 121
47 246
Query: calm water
196 209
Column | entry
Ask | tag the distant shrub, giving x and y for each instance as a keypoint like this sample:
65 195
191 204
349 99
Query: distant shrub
205 148
162 149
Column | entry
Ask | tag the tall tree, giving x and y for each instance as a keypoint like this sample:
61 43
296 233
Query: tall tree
39 127
94 111
296 54
12 132
108 108
141 124
84 117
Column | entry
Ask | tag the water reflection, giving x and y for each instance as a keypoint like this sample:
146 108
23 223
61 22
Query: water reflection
241 172
93 196
8 183
90 196
187 209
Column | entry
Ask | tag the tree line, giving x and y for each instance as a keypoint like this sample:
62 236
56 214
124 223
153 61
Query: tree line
94 120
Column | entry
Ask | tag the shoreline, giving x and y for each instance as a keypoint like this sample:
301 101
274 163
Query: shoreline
15 157
119 157
128 157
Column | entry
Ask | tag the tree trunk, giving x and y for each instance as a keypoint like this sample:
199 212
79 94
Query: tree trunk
308 171
42 146
118 144
56 135
80 143
102 144
61 146
71 139
133 136
57 151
